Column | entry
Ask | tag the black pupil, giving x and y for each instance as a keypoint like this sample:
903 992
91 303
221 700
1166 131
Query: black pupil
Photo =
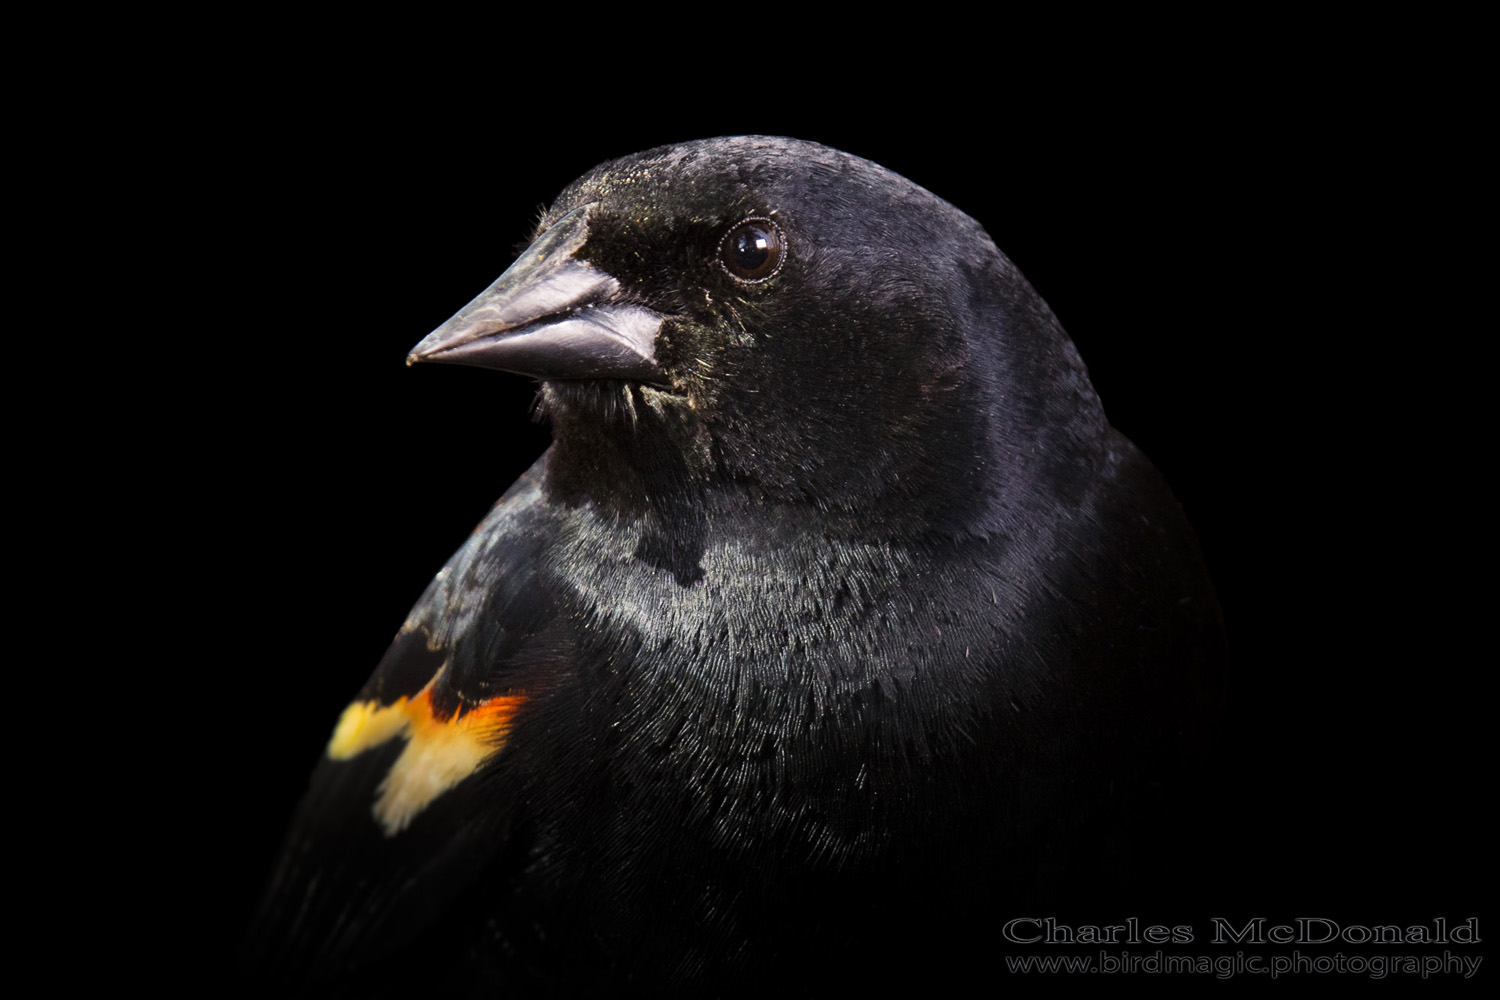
752 248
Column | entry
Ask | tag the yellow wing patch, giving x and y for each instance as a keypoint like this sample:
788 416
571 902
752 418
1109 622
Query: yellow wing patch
365 725
440 752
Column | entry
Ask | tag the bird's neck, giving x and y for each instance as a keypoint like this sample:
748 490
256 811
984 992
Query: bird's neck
647 459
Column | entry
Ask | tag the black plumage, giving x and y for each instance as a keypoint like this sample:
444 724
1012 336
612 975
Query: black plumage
835 620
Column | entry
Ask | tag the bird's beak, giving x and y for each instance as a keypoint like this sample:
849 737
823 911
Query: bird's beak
551 316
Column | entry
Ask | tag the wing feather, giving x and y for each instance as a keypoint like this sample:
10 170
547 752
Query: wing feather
412 801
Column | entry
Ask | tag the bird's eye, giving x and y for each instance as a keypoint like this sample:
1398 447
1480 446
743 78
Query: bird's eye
753 250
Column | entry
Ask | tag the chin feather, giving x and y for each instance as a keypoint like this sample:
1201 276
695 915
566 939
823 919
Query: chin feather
610 402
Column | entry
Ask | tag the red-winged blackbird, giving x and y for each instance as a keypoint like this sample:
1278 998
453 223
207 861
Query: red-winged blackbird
836 626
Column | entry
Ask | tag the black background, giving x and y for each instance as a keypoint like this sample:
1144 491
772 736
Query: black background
1242 256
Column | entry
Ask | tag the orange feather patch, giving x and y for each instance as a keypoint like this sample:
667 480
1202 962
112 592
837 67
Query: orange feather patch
440 751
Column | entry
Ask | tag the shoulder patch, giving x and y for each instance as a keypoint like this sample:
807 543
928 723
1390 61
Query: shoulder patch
440 751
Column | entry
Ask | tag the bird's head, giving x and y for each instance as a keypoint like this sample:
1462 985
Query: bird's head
784 320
